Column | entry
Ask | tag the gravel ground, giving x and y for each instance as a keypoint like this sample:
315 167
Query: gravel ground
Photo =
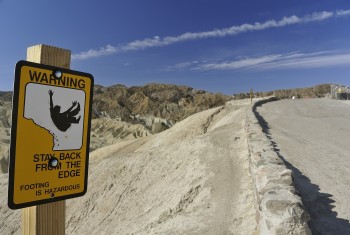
312 136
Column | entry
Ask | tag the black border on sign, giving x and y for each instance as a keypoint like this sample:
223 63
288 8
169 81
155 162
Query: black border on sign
15 98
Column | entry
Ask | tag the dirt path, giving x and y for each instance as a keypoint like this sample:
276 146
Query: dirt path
313 138
228 160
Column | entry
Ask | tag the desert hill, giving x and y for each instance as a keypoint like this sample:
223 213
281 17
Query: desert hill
307 92
5 127
155 106
310 92
6 96
107 131
126 113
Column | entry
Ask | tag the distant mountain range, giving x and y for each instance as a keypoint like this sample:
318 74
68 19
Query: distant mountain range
308 92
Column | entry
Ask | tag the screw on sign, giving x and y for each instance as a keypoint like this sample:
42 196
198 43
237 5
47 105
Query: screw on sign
50 134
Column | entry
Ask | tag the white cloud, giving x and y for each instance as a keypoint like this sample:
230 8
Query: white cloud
184 65
157 41
311 61
318 16
343 13
238 64
107 50
281 61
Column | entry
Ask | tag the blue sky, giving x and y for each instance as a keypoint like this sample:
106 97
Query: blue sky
223 46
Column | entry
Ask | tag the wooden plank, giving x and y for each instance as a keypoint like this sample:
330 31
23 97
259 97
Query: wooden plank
49 55
47 218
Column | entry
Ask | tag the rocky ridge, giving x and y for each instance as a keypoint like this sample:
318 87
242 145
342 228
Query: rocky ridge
6 96
281 210
310 92
318 91
155 106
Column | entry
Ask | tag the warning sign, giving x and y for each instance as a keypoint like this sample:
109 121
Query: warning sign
50 134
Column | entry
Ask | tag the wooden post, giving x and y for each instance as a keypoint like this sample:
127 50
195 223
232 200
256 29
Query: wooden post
251 95
47 218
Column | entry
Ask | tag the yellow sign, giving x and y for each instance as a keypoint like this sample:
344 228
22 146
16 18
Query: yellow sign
50 134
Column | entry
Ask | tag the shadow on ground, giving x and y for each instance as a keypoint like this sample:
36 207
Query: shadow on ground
319 205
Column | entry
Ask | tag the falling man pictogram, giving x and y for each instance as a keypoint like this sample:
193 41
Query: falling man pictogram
65 119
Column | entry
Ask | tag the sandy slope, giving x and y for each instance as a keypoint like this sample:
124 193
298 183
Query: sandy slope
312 135
107 131
190 179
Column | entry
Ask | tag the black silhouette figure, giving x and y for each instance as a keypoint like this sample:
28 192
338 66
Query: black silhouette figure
64 120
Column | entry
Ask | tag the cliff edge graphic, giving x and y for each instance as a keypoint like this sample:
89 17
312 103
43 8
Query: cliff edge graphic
58 110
